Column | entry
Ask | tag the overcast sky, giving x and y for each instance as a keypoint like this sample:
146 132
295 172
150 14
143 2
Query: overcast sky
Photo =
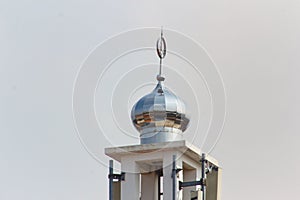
255 45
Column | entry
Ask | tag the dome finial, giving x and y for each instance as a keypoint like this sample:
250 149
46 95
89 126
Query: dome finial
161 49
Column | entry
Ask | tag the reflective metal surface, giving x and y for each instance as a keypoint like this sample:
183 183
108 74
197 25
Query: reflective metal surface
159 116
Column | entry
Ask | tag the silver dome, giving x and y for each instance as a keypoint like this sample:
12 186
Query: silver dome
159 116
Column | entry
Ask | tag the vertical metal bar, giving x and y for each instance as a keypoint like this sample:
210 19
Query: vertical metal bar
203 174
111 179
174 178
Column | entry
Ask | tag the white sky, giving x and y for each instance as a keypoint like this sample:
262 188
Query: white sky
255 44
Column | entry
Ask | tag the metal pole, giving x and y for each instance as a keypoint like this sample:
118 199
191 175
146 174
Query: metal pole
203 174
111 179
174 178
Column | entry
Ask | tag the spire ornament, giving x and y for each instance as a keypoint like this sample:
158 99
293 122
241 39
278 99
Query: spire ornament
161 49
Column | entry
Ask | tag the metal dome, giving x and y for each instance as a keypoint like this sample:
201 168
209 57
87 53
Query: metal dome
159 116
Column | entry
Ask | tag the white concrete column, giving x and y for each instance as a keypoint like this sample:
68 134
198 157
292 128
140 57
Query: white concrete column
130 188
179 178
214 185
149 186
167 176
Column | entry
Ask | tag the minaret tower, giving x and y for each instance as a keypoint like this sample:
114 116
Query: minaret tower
163 165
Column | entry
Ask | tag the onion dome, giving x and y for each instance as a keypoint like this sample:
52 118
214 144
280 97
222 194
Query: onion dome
159 116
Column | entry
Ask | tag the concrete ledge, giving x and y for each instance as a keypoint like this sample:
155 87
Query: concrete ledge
182 146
